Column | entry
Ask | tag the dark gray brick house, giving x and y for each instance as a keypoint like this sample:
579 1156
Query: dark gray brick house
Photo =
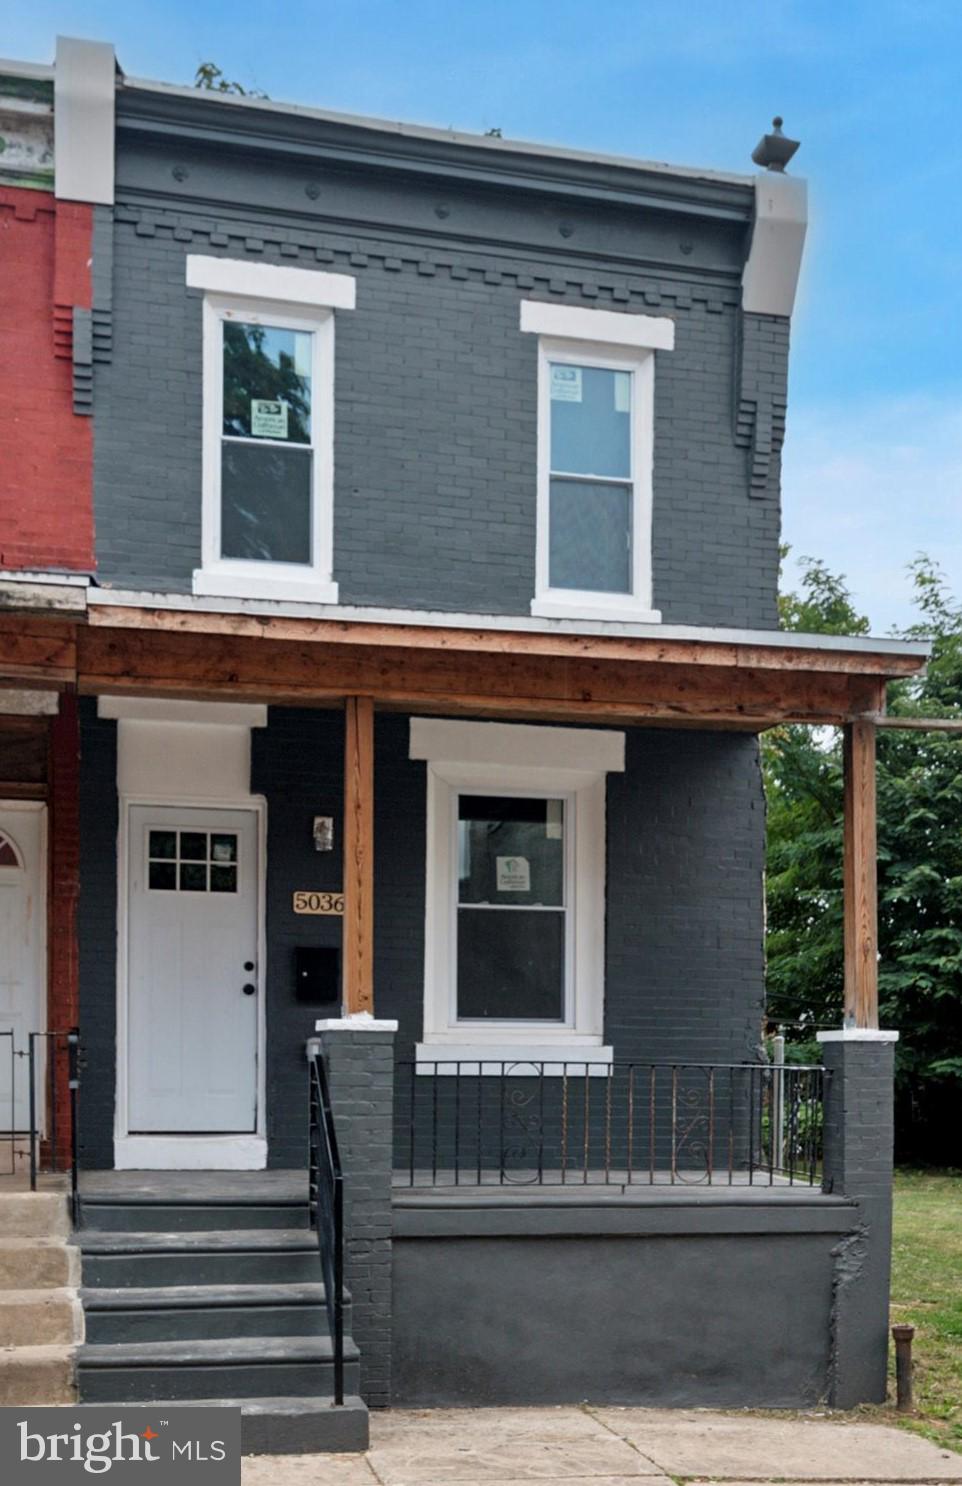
436 488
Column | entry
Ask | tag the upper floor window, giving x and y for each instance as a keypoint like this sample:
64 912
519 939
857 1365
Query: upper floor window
595 453
268 458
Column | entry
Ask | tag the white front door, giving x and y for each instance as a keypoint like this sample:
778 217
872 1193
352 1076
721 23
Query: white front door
23 952
192 1014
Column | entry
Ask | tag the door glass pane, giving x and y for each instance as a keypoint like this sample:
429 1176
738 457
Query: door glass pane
266 503
223 848
163 876
163 844
193 846
223 879
590 420
510 850
267 382
511 965
193 877
590 536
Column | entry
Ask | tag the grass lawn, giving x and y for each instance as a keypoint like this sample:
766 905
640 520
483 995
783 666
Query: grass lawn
927 1292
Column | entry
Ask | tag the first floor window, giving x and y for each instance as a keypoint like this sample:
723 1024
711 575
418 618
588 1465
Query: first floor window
515 890
512 911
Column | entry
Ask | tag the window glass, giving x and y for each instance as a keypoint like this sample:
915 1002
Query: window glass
267 463
266 503
511 914
267 382
589 536
590 420
590 495
192 861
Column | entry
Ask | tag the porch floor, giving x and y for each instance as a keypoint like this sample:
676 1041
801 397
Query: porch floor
291 1185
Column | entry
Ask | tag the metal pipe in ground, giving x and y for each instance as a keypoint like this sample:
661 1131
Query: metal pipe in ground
902 1336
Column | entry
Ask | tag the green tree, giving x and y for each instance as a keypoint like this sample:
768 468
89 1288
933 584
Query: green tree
920 862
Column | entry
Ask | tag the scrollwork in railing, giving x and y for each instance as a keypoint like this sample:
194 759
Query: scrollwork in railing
522 1132
692 1121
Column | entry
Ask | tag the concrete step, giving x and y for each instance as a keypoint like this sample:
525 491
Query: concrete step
259 1256
33 1215
38 1264
37 1375
244 1367
39 1317
142 1215
181 1312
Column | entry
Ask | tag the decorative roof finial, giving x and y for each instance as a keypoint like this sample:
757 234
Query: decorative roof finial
774 150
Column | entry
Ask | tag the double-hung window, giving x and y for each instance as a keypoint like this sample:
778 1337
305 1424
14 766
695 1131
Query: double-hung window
595 459
515 899
268 457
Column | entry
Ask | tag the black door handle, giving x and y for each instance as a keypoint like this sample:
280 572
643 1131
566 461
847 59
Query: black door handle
249 989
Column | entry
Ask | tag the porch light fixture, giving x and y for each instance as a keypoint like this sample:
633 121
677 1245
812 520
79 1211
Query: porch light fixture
323 833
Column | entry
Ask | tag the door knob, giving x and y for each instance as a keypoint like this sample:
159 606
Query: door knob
249 989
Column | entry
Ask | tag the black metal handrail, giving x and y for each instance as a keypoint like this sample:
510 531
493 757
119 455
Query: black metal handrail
485 1121
326 1189
46 1049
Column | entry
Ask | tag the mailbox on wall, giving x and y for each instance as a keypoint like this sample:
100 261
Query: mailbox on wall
317 974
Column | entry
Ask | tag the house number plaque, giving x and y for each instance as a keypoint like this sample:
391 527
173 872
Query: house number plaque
318 903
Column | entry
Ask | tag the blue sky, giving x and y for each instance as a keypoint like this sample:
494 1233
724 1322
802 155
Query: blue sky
873 463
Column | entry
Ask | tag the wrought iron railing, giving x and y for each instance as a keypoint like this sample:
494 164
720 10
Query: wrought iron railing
492 1123
326 1187
39 1094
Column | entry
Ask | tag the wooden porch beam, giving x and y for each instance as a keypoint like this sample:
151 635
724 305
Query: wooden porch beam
187 665
860 877
358 927
37 653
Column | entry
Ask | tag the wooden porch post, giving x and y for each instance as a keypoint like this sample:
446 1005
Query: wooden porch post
860 877
358 936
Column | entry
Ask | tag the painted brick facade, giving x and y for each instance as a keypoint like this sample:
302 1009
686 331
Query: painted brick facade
46 515
684 968
435 386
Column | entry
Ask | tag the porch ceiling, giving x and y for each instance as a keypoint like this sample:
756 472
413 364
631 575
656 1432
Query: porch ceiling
480 672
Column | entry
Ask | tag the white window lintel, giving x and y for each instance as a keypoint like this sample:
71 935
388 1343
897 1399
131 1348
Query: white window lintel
519 745
606 327
283 285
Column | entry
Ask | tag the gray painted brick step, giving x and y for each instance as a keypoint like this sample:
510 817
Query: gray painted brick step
246 1367
291 1426
145 1216
240 1256
178 1312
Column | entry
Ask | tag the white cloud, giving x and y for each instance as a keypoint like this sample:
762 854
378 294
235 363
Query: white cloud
868 486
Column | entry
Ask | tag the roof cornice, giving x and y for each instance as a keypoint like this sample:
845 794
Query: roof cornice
269 129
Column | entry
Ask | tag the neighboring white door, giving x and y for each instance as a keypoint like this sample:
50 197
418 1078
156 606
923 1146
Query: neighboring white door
23 952
192 1013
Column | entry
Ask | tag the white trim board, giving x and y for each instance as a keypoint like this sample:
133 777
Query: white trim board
517 745
190 1152
607 327
300 286
161 709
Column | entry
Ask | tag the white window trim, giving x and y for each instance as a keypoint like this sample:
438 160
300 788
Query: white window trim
607 339
294 299
503 758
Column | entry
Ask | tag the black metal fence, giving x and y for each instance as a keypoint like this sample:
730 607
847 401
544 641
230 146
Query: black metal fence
326 1187
492 1123
39 1092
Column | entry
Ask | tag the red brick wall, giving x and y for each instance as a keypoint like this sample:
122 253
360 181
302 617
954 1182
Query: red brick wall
46 468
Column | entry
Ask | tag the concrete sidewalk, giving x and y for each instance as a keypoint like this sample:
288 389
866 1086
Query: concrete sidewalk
613 1447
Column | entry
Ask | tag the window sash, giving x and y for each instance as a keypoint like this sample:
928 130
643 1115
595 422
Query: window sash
319 324
567 907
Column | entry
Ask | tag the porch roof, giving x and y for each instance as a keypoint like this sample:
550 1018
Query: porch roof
118 643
